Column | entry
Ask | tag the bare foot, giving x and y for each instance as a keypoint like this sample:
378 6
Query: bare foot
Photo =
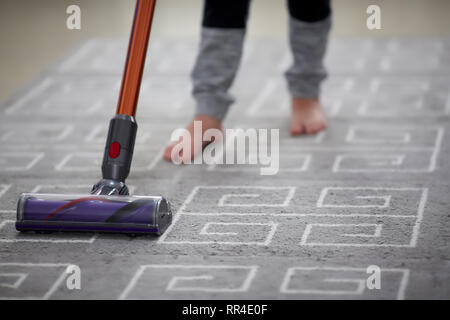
207 123
307 116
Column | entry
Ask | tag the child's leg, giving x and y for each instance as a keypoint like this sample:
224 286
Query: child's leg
309 26
220 51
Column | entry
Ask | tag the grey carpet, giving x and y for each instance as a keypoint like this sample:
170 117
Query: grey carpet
372 190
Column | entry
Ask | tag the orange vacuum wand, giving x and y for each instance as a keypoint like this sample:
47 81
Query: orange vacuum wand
134 65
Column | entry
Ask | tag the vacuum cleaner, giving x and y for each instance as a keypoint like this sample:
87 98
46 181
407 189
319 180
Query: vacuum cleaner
109 207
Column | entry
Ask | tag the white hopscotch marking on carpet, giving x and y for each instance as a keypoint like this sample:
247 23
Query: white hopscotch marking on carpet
359 283
173 283
24 276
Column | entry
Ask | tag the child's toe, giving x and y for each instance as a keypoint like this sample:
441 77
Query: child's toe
168 153
296 128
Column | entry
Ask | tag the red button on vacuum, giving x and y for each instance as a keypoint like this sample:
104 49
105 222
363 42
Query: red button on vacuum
114 150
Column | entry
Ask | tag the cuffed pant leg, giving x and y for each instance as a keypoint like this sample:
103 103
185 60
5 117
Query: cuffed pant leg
215 69
308 39
219 56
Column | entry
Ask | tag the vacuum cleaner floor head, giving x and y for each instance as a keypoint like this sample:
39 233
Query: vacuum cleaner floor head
94 213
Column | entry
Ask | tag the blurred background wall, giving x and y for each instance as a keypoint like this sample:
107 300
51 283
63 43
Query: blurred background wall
33 33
